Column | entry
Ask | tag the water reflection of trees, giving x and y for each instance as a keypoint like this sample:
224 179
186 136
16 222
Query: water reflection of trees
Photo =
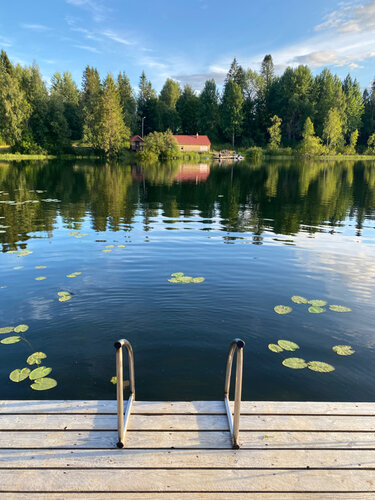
278 196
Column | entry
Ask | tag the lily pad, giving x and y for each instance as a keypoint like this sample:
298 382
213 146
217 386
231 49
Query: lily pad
200 279
343 350
275 348
6 329
36 358
177 275
174 280
297 299
63 294
282 309
40 267
40 278
21 328
110 246
319 366
65 298
70 275
19 375
113 380
120 246
295 363
107 250
43 384
316 310
11 340
339 309
185 279
287 345
40 372
317 302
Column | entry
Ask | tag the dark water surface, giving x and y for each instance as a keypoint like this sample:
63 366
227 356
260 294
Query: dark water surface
257 233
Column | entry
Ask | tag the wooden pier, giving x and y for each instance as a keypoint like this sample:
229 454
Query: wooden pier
182 450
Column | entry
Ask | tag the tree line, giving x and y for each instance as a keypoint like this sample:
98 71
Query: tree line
314 113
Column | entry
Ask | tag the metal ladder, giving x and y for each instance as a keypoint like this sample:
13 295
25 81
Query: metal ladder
123 420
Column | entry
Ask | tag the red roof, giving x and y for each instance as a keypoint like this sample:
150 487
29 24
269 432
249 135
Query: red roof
136 138
193 140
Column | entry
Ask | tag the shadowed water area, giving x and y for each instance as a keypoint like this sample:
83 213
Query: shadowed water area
258 233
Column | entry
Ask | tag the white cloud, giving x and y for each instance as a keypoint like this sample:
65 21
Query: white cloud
116 38
35 27
88 48
5 42
95 7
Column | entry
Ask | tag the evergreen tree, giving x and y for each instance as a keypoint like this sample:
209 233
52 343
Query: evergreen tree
275 133
128 101
57 135
170 93
267 71
64 88
14 108
231 110
146 104
90 104
237 74
354 104
188 109
208 114
333 129
369 113
113 135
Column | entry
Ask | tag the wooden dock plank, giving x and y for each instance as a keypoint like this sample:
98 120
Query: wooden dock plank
186 439
190 407
215 459
188 480
188 422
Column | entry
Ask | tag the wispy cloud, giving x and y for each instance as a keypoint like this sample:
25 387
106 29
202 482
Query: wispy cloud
35 27
116 37
88 48
96 7
5 42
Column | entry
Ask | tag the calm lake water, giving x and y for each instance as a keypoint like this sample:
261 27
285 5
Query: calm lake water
257 233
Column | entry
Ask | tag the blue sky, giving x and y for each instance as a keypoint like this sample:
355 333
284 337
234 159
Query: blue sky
189 40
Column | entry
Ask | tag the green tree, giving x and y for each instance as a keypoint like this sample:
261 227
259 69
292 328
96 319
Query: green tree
159 145
170 93
333 129
237 74
127 100
354 105
267 71
231 110
146 104
208 114
113 135
64 88
274 132
90 104
311 144
14 108
57 133
371 143
188 109
369 113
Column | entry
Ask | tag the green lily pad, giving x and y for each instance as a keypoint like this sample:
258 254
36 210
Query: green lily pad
40 372
40 267
120 246
65 298
177 275
107 250
19 375
317 302
287 345
113 380
295 363
319 366
21 328
70 275
316 310
77 273
185 279
43 384
40 278
6 329
11 340
297 299
63 294
110 246
343 350
174 280
339 309
275 348
36 358
282 309
200 279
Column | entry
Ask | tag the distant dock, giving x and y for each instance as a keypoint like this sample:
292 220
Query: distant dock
182 450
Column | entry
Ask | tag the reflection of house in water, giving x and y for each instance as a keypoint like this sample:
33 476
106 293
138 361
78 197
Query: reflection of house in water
193 172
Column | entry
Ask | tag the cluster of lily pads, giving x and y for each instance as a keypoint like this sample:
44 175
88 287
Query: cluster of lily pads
38 376
299 363
64 296
316 306
109 248
74 275
77 234
181 278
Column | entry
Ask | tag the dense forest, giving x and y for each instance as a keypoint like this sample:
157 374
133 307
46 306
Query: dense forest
314 114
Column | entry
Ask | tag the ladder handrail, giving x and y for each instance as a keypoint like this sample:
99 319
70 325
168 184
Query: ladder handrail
122 423
234 425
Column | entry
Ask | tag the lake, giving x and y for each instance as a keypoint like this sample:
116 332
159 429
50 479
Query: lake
258 233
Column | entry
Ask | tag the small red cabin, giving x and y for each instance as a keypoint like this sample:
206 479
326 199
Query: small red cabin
136 143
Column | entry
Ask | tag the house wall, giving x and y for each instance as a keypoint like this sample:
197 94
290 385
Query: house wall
192 147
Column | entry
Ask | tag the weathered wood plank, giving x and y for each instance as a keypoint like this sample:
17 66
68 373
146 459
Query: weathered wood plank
187 480
114 458
188 422
190 407
187 496
188 439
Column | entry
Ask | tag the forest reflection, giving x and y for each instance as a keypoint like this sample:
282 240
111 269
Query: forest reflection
281 196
